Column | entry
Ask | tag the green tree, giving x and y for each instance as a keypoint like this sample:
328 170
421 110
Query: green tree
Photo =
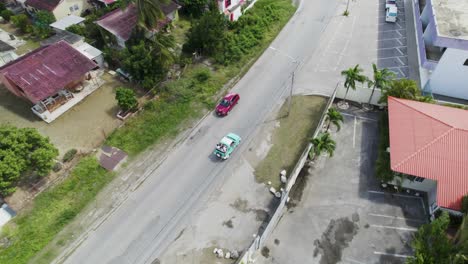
431 244
41 24
334 117
194 8
381 79
148 11
148 62
403 88
352 75
23 150
6 14
206 35
322 143
126 98
22 22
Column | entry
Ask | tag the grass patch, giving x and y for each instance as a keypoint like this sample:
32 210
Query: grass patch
181 27
52 210
30 42
291 138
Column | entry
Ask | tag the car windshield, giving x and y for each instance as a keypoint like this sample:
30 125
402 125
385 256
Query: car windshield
224 102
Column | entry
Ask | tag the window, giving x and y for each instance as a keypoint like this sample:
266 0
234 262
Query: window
466 63
71 8
227 3
415 179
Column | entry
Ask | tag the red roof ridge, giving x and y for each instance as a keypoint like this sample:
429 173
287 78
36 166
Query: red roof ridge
425 147
402 102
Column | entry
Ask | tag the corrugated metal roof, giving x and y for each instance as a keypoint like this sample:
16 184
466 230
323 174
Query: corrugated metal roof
431 141
67 21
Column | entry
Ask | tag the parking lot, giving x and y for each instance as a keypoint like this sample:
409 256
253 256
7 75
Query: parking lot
343 214
361 38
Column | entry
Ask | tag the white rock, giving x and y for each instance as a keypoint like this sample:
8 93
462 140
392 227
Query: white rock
283 173
269 182
234 254
272 190
278 195
215 251
220 253
284 179
228 255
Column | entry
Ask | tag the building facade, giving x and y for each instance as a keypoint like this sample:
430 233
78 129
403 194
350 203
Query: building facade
442 38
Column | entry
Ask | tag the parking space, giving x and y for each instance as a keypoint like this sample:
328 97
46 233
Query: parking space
392 42
343 214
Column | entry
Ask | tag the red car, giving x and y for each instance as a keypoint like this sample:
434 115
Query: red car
226 105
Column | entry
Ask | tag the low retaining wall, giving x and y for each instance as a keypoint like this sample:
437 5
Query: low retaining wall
261 238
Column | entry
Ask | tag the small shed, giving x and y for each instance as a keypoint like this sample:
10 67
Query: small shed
91 53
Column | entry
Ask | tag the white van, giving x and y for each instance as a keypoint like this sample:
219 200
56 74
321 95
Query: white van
391 13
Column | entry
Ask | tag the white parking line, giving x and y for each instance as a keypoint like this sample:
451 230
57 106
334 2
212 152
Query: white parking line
400 51
398 67
360 117
392 48
389 254
392 57
398 38
397 228
399 41
402 63
354 261
399 218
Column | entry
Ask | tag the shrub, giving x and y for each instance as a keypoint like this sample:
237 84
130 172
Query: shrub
126 98
6 14
57 167
383 171
203 75
69 155
465 204
22 22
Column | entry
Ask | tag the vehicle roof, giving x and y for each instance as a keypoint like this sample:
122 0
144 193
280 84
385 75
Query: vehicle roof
226 141
233 136
392 9
229 95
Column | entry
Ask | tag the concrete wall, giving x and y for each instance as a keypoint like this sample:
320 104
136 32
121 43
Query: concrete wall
63 9
450 78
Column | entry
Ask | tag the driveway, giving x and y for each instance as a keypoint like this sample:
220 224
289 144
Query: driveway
343 215
151 216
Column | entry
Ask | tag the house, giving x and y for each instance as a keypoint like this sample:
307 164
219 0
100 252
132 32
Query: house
53 78
77 42
65 22
442 41
119 24
59 8
429 150
233 9
7 53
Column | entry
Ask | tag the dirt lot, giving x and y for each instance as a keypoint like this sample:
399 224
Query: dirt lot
83 127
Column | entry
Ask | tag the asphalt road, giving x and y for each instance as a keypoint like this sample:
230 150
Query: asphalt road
152 216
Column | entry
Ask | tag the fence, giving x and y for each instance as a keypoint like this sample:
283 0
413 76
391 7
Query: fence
360 95
261 238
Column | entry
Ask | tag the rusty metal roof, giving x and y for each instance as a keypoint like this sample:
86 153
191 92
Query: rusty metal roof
431 141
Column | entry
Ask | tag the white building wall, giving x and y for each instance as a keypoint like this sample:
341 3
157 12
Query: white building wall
77 7
450 78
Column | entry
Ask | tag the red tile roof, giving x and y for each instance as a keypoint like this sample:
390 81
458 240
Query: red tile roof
45 71
122 22
48 5
431 141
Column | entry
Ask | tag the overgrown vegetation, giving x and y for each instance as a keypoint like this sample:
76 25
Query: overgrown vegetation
383 171
126 98
23 151
69 155
41 28
22 22
29 232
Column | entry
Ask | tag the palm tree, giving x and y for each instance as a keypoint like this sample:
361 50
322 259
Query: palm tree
322 143
334 117
382 79
148 11
403 88
352 76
